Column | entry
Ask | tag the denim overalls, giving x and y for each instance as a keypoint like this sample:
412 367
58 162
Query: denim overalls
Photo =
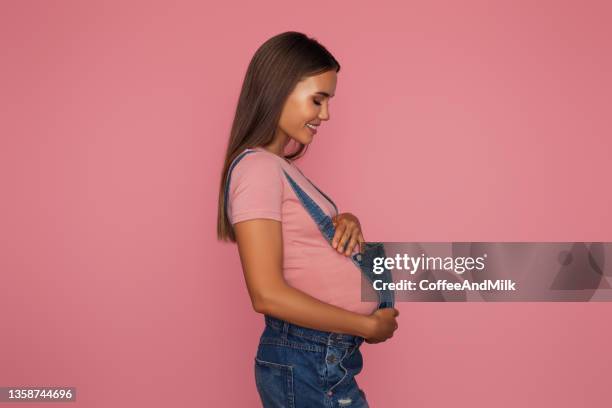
300 367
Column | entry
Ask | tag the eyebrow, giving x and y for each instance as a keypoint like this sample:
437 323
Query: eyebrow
325 94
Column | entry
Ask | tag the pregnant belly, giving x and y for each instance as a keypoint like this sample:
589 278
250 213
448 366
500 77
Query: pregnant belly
332 278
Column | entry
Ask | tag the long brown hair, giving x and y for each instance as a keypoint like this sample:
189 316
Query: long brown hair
275 69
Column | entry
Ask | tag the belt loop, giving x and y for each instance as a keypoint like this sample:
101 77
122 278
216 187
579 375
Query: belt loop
285 330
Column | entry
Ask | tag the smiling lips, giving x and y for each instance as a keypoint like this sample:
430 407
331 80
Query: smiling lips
313 128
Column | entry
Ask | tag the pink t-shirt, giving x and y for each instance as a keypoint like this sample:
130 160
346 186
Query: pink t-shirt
259 189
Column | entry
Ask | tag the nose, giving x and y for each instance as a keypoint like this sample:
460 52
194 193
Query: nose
324 113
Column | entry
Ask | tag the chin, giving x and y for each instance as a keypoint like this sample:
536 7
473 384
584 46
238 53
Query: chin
304 140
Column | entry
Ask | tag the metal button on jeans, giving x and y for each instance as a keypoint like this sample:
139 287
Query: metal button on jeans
331 359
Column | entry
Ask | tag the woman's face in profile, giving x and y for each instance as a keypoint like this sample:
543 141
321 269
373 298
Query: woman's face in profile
307 106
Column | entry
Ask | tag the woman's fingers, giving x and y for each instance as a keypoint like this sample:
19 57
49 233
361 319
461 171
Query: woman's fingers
339 233
348 236
357 241
352 244
345 237
352 236
361 240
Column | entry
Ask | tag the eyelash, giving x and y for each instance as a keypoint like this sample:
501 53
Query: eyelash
317 103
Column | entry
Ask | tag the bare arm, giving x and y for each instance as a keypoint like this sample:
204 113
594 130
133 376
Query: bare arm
261 253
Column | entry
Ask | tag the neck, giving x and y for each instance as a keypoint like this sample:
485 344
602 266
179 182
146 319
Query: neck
277 146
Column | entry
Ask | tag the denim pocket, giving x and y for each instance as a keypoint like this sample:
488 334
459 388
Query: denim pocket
274 384
353 362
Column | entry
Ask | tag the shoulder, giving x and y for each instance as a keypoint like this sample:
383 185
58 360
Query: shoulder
256 188
258 169
258 157
256 164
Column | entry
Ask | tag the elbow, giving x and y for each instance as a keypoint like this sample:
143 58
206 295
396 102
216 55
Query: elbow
259 305
264 301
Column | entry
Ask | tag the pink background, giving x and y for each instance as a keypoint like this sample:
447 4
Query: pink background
453 121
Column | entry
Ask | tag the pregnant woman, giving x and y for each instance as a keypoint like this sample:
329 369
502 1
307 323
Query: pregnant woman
303 262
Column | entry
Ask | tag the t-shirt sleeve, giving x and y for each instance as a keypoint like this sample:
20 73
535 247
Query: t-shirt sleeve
255 190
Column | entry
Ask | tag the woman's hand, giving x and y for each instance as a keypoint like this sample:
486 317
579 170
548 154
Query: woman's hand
348 231
384 323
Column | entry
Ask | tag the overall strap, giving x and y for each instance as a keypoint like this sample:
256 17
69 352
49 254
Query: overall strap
322 193
323 221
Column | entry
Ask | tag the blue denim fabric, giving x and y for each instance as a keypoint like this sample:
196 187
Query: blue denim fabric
299 367
302 367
